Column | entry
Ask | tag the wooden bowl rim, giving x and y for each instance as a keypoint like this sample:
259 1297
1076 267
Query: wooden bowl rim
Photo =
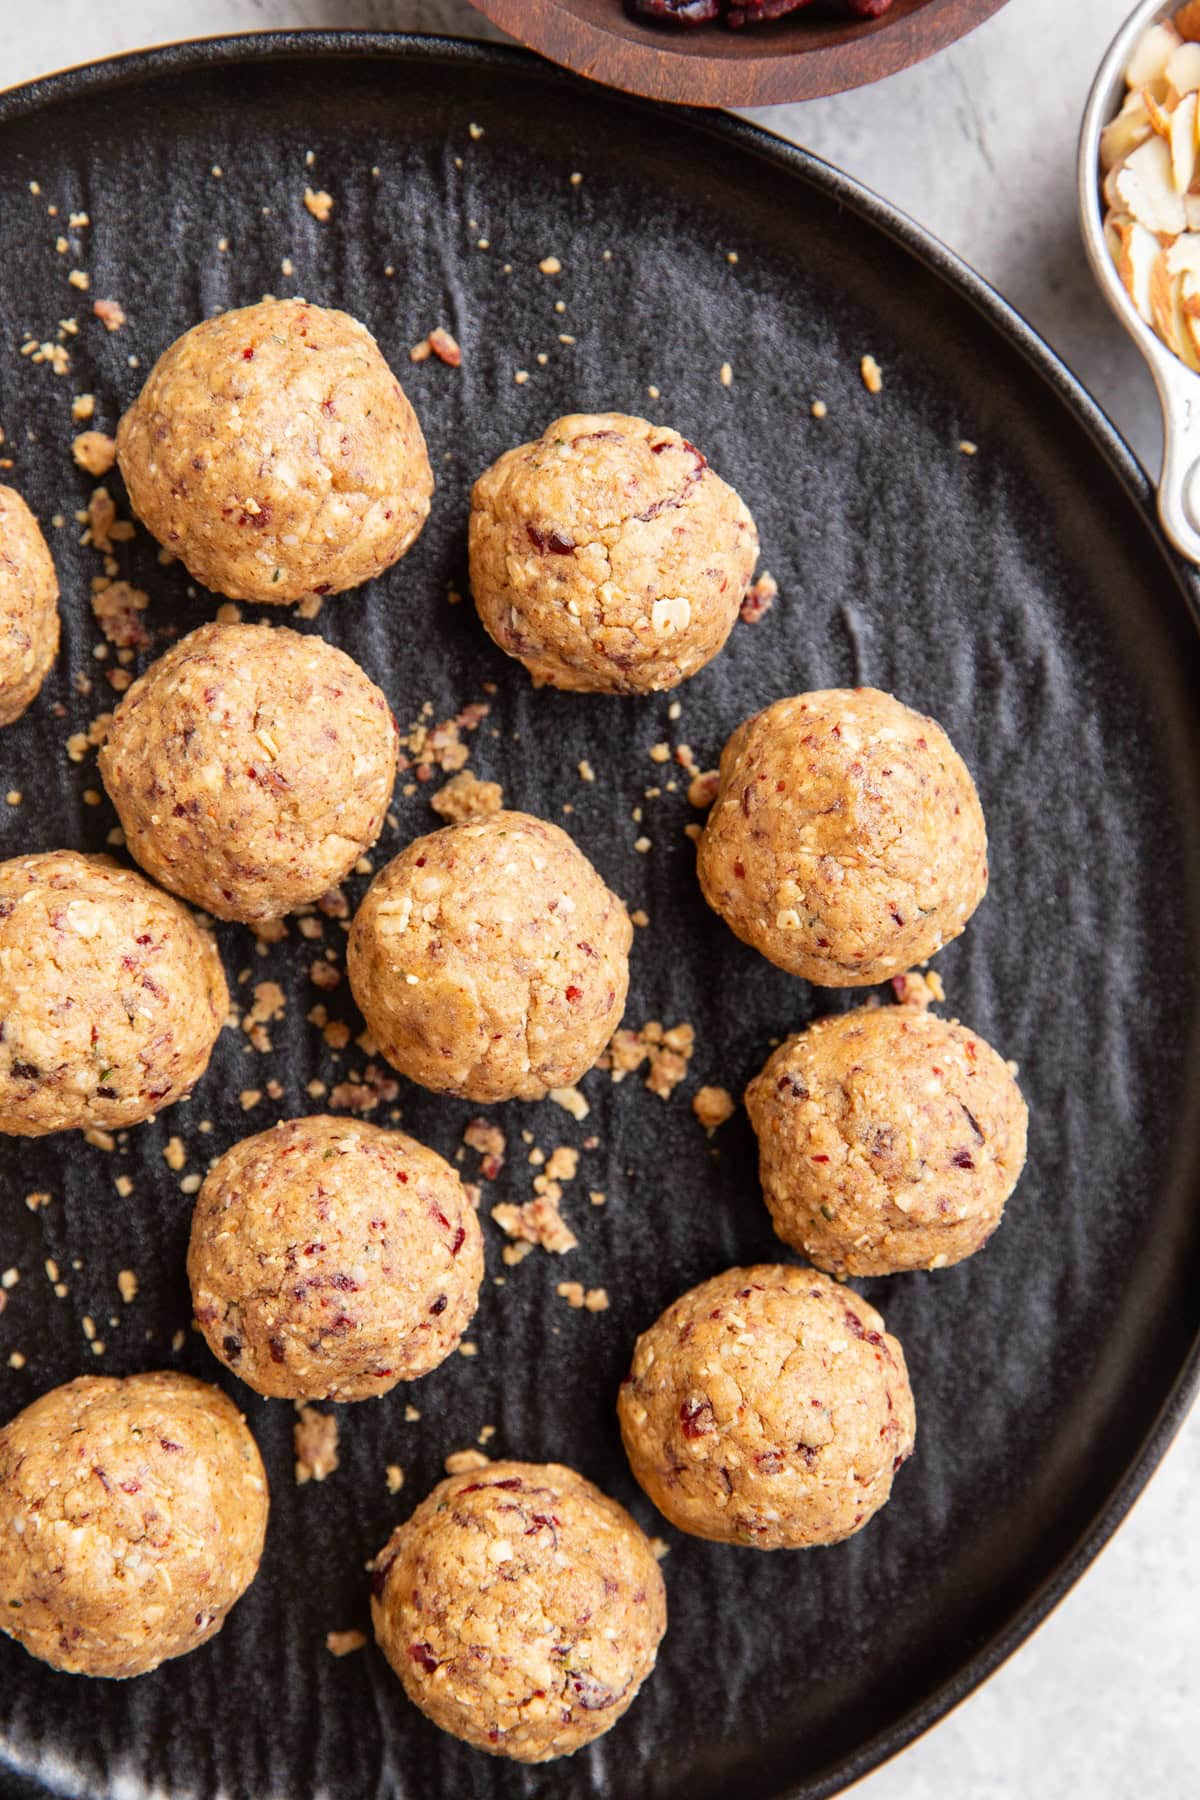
707 66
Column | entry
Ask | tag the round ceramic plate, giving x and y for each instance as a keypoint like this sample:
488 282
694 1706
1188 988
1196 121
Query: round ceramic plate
1020 594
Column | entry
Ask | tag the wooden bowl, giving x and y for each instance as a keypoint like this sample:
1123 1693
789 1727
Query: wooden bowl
797 58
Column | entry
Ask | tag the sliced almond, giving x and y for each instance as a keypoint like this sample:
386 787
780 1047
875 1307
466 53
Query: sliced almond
1135 265
1183 143
1144 186
1166 298
1158 112
1151 54
1183 73
1123 134
1187 20
1184 254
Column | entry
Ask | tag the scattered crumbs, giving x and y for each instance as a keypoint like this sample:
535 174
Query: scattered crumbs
190 1184
694 832
653 392
586 771
760 598
560 306
640 917
319 204
13 797
550 265
110 313
216 171
576 1295
364 1095
411 1415
818 409
464 797
445 347
16 1360
915 989
563 1164
127 1284
249 1098
269 1003
177 1341
10 1278
315 1435
521 376
712 1106
467 1348
731 256
51 1268
394 1476
642 845
118 608
287 266
872 375
324 975
344 1643
565 337
668 1051
461 1462
538 1221
660 1548
967 447
174 1154
571 1100
124 1186
702 789
660 753
476 131
426 747
487 1138
486 1435
576 178
79 278
726 374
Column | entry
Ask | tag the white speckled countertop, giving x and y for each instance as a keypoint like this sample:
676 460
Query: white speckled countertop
978 145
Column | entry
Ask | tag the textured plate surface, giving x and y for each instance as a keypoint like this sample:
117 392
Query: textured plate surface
1020 595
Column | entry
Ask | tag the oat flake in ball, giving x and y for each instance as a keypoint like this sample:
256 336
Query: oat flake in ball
768 1407
28 607
273 450
330 1259
888 1138
111 996
490 960
846 841
521 1608
608 556
132 1517
251 766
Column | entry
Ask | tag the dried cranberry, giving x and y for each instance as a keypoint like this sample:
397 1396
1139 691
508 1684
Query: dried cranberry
423 1654
962 1159
697 1418
439 1305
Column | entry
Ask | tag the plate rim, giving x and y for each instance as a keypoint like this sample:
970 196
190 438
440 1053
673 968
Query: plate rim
91 78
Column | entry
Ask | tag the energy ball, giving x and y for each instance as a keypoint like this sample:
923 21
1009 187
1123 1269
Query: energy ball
132 1517
888 1139
521 1608
846 841
273 450
28 607
490 960
607 556
768 1407
330 1260
111 996
251 767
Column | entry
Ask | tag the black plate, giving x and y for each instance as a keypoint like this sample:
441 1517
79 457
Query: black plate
1021 595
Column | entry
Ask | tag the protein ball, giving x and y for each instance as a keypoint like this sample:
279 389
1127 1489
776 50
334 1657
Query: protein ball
490 960
846 841
28 607
251 767
607 556
111 996
521 1608
132 1517
273 450
330 1260
768 1407
888 1139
